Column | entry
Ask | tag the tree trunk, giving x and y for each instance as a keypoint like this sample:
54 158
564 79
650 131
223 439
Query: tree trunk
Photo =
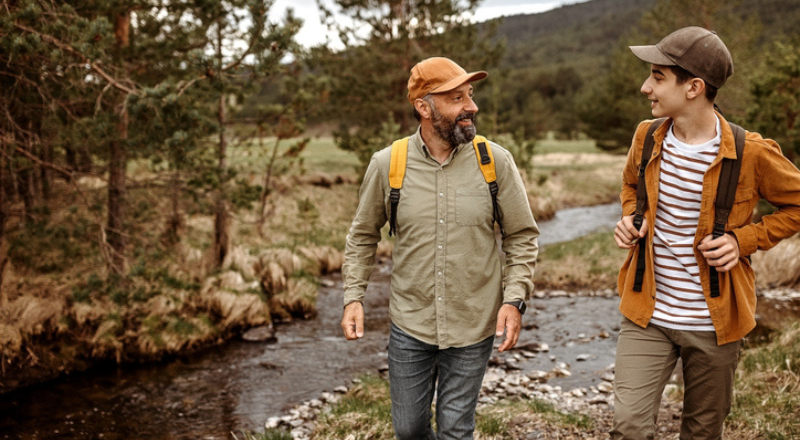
175 223
222 240
117 162
117 193
46 174
4 148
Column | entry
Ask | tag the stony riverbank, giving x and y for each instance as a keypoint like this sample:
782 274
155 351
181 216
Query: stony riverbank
505 382
509 378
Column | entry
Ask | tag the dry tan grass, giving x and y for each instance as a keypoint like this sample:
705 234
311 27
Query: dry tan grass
286 259
87 313
779 266
297 300
10 342
26 315
159 334
274 267
273 278
105 341
240 259
578 159
225 297
326 258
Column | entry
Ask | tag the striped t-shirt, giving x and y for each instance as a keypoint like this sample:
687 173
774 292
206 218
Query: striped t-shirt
680 303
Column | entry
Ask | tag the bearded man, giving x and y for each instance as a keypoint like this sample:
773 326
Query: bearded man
450 293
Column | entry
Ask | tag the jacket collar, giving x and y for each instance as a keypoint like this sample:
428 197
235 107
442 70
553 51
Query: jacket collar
727 147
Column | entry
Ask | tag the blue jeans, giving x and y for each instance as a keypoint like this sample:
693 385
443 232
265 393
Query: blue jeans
414 370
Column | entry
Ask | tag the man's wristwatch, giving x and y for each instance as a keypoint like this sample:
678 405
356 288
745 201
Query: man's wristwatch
519 305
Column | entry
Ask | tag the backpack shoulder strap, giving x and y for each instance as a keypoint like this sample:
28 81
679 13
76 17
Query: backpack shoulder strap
641 200
728 179
397 172
397 163
726 194
647 151
483 152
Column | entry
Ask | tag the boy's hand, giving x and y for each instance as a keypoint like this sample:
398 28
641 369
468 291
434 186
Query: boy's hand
626 235
722 252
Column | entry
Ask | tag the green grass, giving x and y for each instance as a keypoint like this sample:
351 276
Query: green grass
270 434
365 412
319 155
491 424
767 397
592 261
551 414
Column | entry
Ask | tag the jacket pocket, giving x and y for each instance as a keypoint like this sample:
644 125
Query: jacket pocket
742 210
473 208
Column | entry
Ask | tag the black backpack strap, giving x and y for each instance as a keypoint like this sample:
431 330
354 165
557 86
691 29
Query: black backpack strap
726 194
641 201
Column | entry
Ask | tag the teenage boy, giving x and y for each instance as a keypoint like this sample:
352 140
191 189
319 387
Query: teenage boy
673 313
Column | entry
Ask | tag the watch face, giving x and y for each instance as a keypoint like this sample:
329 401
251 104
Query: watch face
522 307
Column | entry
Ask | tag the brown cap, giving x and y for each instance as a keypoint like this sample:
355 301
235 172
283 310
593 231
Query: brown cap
438 75
698 50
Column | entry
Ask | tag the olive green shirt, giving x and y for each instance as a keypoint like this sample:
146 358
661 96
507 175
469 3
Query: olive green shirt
447 279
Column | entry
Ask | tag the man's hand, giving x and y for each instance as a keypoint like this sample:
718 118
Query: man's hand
722 253
626 235
353 321
509 320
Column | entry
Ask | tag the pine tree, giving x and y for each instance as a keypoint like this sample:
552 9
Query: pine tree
382 40
613 105
128 80
776 97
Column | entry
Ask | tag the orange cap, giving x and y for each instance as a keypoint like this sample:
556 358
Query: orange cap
438 75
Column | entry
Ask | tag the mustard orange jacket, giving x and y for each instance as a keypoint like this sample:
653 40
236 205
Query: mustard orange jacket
765 173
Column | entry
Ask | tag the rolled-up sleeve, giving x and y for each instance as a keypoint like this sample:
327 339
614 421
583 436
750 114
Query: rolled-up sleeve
365 232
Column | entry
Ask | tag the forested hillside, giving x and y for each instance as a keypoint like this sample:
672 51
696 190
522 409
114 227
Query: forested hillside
577 34
562 67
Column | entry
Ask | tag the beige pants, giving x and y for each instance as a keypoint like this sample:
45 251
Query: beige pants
646 358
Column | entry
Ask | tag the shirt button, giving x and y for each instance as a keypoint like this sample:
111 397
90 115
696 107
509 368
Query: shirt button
440 274
441 221
440 298
441 194
440 246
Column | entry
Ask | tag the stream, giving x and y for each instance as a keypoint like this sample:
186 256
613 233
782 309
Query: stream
236 387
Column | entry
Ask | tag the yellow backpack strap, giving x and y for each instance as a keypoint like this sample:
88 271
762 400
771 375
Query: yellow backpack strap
397 171
483 151
485 158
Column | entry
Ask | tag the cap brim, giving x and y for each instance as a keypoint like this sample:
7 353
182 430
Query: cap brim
459 80
652 55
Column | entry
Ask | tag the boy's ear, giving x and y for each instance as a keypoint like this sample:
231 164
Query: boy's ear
697 87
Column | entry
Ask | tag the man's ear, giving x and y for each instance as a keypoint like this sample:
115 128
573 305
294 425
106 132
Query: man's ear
423 108
697 87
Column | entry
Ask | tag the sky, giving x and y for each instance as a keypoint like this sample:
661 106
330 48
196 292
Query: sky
313 33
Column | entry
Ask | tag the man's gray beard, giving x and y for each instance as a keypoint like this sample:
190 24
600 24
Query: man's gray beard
451 132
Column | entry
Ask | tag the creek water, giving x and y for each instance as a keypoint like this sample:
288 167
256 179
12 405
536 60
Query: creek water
236 387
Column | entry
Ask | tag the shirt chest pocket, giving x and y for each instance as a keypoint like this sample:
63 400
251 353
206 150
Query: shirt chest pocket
473 207
742 209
